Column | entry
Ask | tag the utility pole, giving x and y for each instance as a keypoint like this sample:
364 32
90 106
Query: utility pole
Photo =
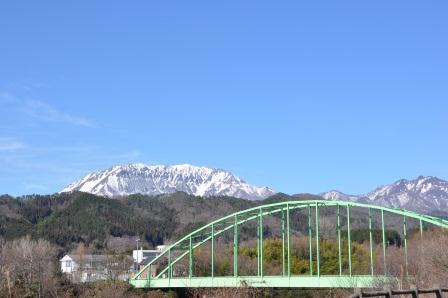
137 254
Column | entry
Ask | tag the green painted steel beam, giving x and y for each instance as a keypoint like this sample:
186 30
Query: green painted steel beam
205 240
235 247
213 251
421 229
434 220
298 204
383 232
303 281
310 234
349 242
190 260
203 236
202 242
261 242
288 232
283 244
405 234
317 240
258 248
339 241
170 268
370 241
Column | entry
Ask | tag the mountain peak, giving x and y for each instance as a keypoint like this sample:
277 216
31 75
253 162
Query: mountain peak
336 195
135 178
423 194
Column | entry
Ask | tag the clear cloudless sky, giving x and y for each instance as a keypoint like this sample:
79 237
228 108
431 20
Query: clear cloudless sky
302 96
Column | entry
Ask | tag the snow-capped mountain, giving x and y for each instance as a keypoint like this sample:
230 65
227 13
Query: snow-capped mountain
424 194
153 180
335 195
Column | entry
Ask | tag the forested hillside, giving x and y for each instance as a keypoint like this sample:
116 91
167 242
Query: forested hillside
66 219
114 224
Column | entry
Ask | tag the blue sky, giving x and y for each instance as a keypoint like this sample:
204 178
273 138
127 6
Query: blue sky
302 97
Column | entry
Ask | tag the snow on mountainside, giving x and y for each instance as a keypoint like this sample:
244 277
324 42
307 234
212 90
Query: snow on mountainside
335 195
160 179
424 194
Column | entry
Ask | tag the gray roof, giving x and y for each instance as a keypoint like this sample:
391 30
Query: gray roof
89 258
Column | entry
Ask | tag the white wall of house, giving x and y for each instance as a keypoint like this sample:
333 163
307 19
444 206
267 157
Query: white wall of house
143 254
68 265
94 267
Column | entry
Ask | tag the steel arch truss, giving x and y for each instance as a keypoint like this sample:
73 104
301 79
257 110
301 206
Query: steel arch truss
158 273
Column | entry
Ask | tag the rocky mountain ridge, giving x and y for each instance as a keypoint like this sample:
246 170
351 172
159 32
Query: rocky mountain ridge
160 179
426 194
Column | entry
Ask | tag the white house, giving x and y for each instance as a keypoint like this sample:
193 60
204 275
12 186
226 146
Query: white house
85 268
68 264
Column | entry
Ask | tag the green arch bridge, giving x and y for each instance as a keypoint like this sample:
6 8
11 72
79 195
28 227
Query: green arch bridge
175 267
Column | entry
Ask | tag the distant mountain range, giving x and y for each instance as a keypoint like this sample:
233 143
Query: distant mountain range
154 180
67 217
423 194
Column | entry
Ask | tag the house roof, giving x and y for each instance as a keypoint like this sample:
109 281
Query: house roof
86 258
90 258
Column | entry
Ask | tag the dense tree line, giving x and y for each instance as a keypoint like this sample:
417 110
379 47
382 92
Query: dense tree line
67 219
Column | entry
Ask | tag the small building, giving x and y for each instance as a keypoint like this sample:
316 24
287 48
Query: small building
86 268
144 256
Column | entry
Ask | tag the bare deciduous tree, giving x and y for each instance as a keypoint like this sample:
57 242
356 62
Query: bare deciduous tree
116 265
29 265
81 254
427 261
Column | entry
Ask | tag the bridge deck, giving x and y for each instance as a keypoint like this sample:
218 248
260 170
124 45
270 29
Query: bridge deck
263 282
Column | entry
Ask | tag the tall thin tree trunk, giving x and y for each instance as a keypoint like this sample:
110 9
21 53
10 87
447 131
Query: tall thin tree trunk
8 282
